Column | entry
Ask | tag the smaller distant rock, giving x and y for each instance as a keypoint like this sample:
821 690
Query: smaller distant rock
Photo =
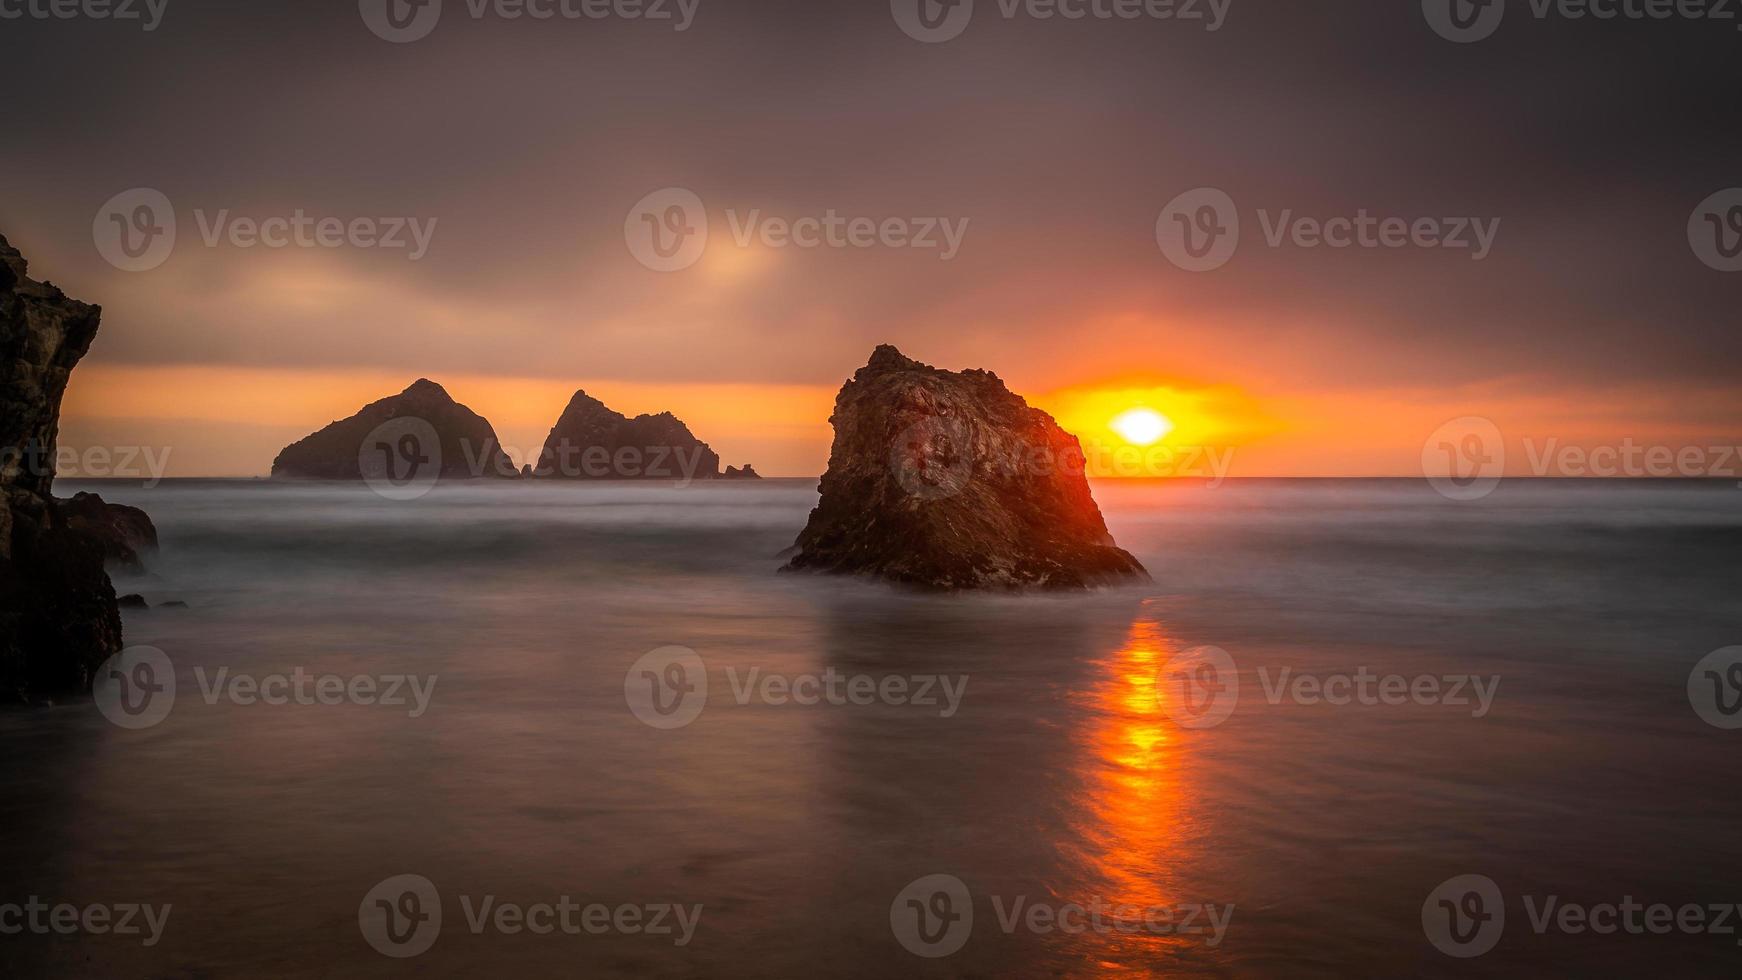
134 601
592 442
747 473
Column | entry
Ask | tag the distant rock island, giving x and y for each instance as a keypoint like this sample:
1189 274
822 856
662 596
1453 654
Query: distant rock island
59 617
420 433
592 442
947 481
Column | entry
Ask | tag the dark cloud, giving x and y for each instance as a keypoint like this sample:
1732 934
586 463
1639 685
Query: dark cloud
1060 140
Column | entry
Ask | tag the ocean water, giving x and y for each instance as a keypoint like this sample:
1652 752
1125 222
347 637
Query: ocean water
1071 769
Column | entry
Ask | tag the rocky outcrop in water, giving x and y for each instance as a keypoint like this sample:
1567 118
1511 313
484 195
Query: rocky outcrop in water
592 442
125 533
420 434
747 473
946 480
58 615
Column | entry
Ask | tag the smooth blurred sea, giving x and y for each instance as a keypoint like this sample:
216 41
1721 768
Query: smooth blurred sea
1062 777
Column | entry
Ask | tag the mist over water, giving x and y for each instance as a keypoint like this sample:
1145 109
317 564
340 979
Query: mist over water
1061 777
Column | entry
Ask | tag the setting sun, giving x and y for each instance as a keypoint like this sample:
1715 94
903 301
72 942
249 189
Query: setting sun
1142 426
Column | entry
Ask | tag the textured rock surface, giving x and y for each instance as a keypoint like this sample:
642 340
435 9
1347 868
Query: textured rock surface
431 434
946 480
58 617
125 534
591 442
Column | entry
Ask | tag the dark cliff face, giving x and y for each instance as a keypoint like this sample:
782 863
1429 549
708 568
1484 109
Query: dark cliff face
45 335
946 480
421 431
58 618
590 441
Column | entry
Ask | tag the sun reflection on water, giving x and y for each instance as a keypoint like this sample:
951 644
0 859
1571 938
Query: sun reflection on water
1131 815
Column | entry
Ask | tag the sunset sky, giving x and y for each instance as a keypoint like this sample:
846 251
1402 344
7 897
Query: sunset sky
1059 142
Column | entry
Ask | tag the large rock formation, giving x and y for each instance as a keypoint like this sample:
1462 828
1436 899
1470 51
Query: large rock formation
591 442
948 481
420 434
58 617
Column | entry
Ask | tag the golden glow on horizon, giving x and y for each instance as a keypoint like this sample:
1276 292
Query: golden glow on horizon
1142 426
1142 429
232 421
